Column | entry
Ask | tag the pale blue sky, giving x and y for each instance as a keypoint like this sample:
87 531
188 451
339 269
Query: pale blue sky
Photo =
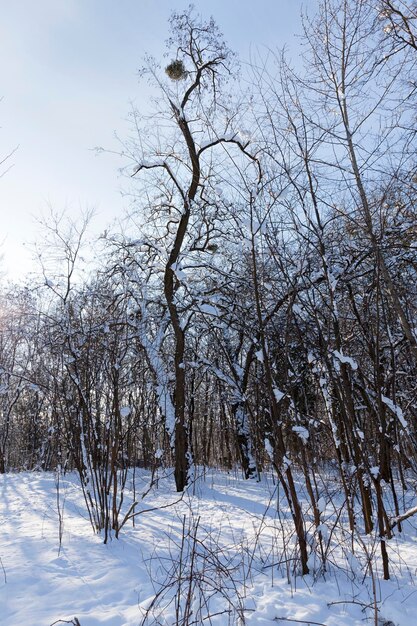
68 71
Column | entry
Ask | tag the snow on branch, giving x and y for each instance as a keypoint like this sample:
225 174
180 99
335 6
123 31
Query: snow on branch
401 518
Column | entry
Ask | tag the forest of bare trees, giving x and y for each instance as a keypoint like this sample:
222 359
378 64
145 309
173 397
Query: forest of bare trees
259 308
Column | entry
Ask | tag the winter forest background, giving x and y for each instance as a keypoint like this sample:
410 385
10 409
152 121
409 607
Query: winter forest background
258 309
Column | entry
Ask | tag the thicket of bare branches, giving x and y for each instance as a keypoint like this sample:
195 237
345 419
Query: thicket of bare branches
260 309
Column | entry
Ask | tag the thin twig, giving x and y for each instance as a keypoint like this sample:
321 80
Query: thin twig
4 571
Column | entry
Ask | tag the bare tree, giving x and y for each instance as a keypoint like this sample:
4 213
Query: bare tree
186 215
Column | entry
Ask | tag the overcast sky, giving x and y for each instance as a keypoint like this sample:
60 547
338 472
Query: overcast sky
68 72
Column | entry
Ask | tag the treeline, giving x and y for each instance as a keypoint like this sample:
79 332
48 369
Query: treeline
260 307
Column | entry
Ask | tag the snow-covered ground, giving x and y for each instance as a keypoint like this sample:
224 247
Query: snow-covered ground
227 531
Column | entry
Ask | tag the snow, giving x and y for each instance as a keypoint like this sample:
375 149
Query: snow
278 394
345 359
209 309
374 471
301 432
260 356
311 357
395 409
179 272
245 135
321 504
235 529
